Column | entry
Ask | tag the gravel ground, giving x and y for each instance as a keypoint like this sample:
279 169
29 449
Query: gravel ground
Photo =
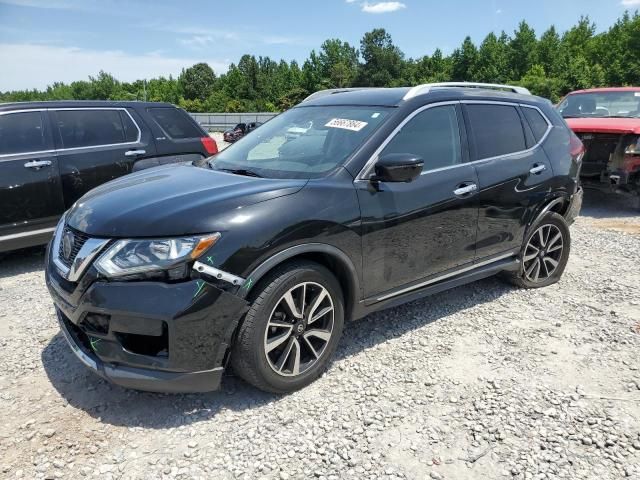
482 382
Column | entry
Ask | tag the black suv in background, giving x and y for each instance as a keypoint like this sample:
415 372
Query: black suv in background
255 259
52 153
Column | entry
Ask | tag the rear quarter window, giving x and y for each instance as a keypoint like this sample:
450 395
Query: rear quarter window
175 123
536 121
497 130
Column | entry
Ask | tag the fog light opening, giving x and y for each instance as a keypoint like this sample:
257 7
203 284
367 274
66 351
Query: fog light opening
148 345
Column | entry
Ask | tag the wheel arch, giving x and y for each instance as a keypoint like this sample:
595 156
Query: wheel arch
558 203
326 255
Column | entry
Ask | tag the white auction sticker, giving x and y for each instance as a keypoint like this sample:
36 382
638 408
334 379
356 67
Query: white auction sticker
353 125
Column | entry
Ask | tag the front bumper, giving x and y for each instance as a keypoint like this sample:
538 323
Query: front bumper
141 378
149 336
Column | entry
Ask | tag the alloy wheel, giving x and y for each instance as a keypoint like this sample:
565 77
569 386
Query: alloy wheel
543 253
299 329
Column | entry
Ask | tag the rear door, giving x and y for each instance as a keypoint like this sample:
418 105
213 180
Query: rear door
413 230
96 145
30 193
514 172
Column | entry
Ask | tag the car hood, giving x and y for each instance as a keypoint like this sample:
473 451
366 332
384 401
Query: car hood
604 125
170 201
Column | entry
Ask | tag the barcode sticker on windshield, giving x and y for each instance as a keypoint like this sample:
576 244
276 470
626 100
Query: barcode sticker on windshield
637 94
353 125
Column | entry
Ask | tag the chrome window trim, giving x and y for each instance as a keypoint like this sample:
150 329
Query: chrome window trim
367 167
512 104
364 171
137 141
71 149
446 275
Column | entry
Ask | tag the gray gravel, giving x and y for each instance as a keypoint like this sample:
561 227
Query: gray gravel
484 381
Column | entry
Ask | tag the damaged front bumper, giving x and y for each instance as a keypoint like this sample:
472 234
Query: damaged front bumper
149 336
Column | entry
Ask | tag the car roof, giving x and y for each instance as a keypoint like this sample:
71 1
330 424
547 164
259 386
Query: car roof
395 97
606 89
79 104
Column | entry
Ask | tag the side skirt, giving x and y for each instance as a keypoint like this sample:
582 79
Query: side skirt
370 305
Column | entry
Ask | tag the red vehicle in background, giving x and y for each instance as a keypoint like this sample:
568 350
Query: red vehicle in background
607 120
240 130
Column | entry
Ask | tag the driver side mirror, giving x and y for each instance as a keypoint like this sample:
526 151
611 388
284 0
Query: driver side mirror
397 167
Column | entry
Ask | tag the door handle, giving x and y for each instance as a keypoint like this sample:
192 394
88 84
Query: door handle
537 169
37 164
134 153
465 189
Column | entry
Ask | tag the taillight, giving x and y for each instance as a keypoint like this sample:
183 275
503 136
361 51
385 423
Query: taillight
576 147
209 145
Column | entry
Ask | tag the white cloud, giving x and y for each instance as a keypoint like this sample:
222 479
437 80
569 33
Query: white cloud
498 11
630 3
36 66
382 7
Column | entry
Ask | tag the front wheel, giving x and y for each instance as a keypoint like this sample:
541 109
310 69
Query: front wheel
291 329
544 255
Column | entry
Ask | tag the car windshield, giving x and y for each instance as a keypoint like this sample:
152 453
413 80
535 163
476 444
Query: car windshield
601 105
304 142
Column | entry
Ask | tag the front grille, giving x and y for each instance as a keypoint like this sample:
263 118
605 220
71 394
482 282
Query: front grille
79 239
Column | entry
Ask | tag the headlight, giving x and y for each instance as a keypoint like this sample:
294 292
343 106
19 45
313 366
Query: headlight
126 257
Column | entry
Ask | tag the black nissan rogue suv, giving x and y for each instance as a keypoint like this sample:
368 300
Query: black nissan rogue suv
52 153
164 277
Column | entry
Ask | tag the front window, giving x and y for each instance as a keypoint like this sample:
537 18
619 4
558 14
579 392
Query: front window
601 105
304 142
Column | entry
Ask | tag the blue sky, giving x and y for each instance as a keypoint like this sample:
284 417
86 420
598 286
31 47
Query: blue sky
42 41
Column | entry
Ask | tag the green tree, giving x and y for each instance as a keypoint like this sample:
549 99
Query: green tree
338 63
197 82
522 50
383 61
492 64
464 61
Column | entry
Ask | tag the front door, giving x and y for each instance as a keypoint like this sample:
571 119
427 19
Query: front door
30 193
95 146
413 230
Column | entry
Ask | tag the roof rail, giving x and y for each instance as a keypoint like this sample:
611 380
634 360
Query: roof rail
331 91
422 89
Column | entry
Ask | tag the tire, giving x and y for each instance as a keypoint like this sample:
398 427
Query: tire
281 347
543 234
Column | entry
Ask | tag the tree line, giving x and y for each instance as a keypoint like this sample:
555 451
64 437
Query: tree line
550 65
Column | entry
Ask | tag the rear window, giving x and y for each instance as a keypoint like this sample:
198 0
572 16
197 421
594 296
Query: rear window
497 130
175 123
21 133
536 121
90 128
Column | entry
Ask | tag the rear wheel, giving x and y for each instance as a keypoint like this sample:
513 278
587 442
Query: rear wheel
291 329
544 255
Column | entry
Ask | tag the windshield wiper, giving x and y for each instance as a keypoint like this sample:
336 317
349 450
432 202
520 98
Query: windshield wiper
241 171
